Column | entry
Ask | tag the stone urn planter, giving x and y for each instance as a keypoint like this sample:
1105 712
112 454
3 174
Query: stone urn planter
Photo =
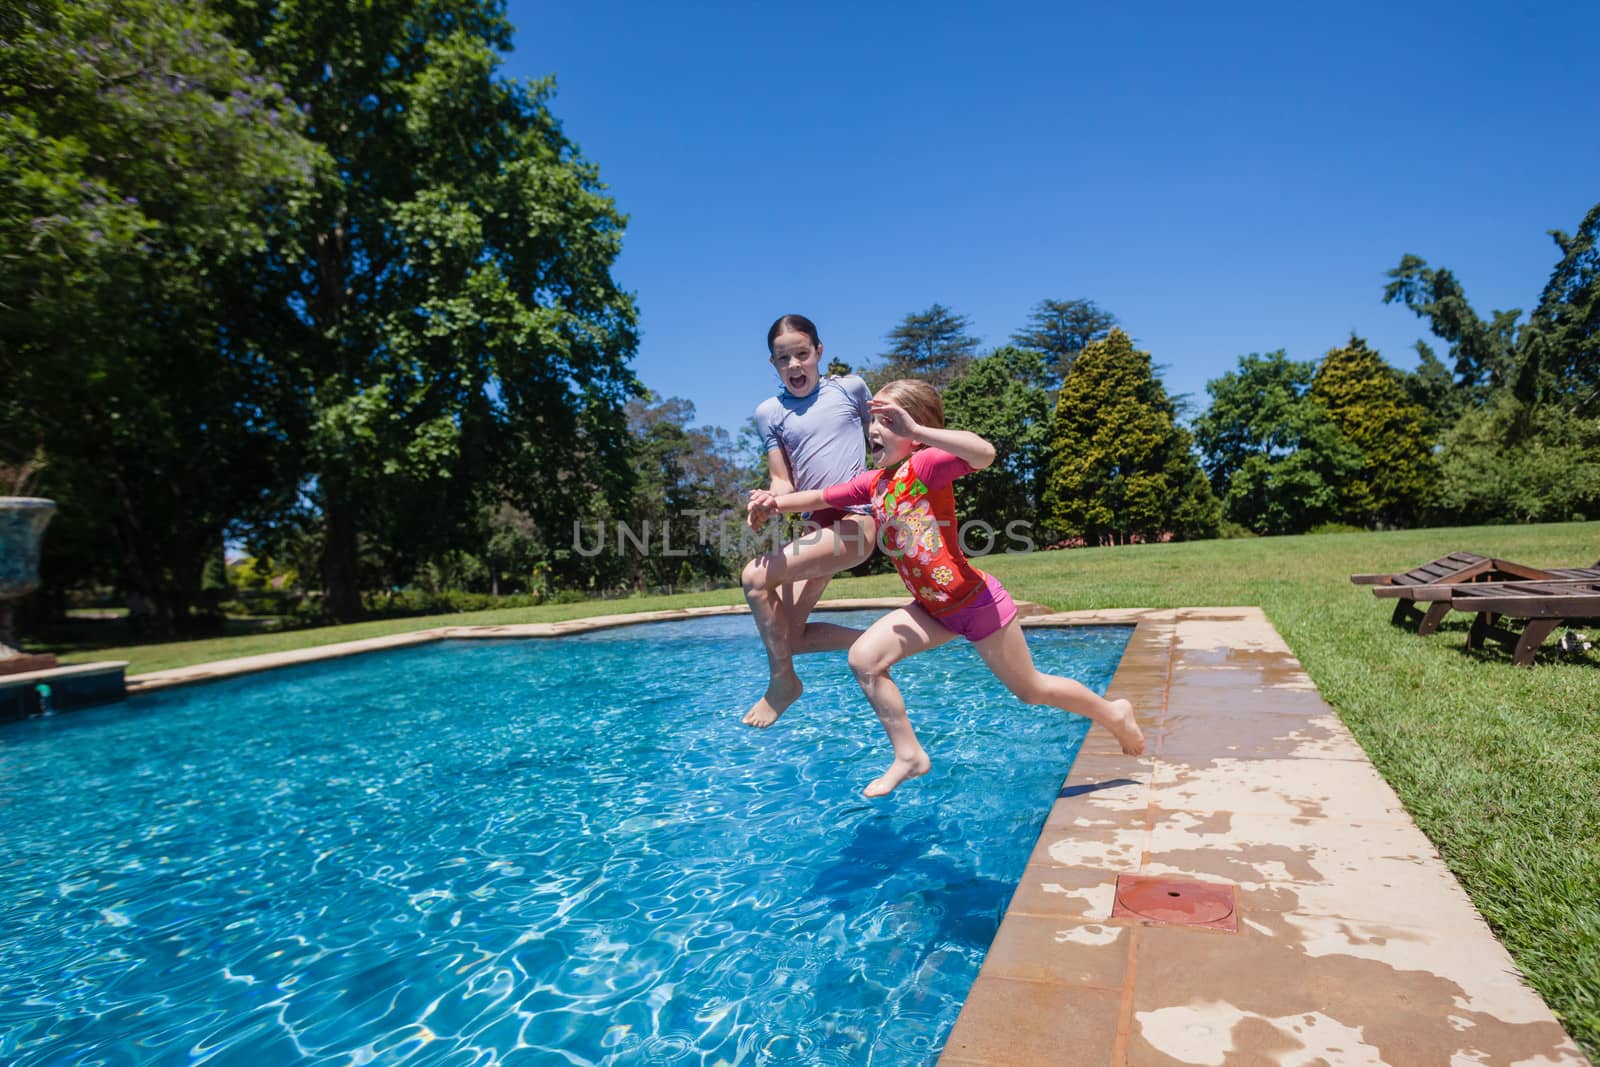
22 523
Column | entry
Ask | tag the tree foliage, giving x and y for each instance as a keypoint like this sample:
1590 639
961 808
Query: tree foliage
1121 466
997 400
1060 329
1566 323
1367 401
1275 458
931 345
455 329
146 155
1522 395
1486 354
1508 461
1432 389
687 477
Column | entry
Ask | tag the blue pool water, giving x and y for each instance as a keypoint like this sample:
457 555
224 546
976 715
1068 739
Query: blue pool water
529 852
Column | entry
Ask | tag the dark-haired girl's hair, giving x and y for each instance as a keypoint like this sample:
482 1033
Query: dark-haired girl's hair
793 324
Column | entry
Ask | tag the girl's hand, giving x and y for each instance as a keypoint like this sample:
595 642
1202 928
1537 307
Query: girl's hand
763 505
896 419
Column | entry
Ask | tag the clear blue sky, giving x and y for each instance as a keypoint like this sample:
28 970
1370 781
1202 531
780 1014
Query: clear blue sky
1225 178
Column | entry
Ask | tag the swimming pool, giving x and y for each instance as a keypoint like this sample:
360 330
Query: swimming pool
543 851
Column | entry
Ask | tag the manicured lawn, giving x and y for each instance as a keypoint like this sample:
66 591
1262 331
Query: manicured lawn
1499 765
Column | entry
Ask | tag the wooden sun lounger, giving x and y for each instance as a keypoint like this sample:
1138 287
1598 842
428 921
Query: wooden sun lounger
1444 591
1542 605
1455 569
1439 570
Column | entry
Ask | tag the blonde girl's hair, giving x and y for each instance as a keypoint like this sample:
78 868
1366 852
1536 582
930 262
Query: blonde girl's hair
920 400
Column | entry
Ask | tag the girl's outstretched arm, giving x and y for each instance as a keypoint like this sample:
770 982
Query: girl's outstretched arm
762 500
963 444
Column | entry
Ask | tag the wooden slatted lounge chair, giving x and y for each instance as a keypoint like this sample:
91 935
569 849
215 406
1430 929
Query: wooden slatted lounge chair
1437 596
1542 606
1454 569
1437 570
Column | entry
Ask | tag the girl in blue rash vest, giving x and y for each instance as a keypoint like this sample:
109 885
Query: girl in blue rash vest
814 432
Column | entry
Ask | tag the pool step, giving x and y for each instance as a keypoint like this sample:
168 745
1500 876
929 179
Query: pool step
81 685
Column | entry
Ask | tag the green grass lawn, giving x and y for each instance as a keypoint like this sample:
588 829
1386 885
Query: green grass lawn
1499 765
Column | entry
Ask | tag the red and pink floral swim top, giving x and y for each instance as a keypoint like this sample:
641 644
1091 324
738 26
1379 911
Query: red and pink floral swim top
916 512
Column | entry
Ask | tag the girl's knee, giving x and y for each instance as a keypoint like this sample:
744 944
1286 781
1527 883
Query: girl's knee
755 574
865 663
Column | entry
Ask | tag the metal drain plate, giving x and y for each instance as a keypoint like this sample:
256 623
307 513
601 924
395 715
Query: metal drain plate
1176 902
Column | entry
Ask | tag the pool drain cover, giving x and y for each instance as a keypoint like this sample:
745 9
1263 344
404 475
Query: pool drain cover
1176 902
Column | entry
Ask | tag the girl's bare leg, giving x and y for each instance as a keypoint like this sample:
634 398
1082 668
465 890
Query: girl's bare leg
798 600
901 633
781 587
1007 655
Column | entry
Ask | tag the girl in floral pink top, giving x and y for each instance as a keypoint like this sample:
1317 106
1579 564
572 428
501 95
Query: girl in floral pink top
917 459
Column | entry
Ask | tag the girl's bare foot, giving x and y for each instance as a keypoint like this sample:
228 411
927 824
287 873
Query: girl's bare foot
783 690
1125 728
899 771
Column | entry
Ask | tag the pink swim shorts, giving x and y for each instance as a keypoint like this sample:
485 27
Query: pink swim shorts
987 613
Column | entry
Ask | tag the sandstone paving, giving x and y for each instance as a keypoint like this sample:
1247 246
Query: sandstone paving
1355 945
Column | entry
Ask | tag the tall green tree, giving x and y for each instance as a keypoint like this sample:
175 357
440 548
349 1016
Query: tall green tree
1525 395
931 345
453 324
1275 458
1060 329
1486 355
1367 400
1432 388
1552 357
146 157
997 400
1566 323
1122 468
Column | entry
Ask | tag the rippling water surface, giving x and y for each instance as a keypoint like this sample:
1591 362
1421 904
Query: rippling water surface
562 852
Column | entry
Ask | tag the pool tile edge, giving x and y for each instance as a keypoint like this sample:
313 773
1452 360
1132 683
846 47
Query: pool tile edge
217 670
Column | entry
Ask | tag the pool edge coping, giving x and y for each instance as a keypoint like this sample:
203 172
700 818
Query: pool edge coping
238 666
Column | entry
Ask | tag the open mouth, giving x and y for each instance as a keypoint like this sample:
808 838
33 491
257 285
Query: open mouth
797 381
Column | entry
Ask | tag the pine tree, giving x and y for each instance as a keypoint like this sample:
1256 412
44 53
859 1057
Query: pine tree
1122 468
1367 400
1566 324
933 346
1060 329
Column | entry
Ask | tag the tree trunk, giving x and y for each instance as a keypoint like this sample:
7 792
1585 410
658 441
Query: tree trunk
341 588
